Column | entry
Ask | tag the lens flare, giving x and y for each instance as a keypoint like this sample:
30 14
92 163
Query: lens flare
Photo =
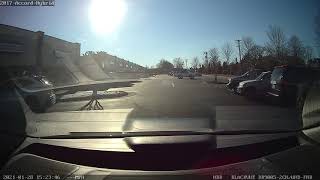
106 15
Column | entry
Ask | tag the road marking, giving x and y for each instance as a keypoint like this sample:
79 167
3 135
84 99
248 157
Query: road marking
172 84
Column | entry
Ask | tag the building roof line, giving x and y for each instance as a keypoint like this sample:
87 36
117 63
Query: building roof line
9 26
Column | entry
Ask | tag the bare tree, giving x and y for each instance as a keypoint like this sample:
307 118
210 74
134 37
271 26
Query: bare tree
186 60
308 53
195 62
257 52
227 51
213 56
317 27
165 65
253 56
178 63
276 46
247 44
213 59
295 47
317 31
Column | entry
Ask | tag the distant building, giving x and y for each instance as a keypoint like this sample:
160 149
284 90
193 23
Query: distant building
59 60
21 49
110 63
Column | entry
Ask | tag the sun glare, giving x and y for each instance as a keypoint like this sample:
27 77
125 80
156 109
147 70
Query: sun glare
106 15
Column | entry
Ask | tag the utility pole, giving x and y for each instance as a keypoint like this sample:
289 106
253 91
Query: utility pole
239 47
206 59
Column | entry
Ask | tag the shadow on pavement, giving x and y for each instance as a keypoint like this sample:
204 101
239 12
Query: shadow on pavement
87 96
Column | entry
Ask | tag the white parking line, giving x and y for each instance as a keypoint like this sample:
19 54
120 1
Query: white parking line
172 84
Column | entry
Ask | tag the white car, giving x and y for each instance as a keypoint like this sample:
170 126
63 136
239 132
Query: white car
256 87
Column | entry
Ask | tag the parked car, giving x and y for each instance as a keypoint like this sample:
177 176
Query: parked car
256 87
250 75
185 73
289 84
38 102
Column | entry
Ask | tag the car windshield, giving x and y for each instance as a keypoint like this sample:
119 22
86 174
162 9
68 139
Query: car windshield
158 65
97 86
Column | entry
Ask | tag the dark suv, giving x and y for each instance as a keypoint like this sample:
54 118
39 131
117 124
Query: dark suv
38 102
288 83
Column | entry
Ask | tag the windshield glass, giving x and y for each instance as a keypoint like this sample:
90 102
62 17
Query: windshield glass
80 66
167 84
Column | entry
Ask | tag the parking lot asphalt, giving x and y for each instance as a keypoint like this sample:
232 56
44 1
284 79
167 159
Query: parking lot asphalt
165 96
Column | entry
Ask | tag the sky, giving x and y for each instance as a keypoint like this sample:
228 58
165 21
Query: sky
154 29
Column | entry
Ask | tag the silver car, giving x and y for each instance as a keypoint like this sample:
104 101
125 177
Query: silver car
256 87
250 75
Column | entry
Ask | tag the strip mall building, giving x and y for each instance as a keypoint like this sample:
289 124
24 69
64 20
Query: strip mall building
59 60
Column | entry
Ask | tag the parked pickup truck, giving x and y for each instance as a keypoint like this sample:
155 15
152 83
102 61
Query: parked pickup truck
250 75
256 87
